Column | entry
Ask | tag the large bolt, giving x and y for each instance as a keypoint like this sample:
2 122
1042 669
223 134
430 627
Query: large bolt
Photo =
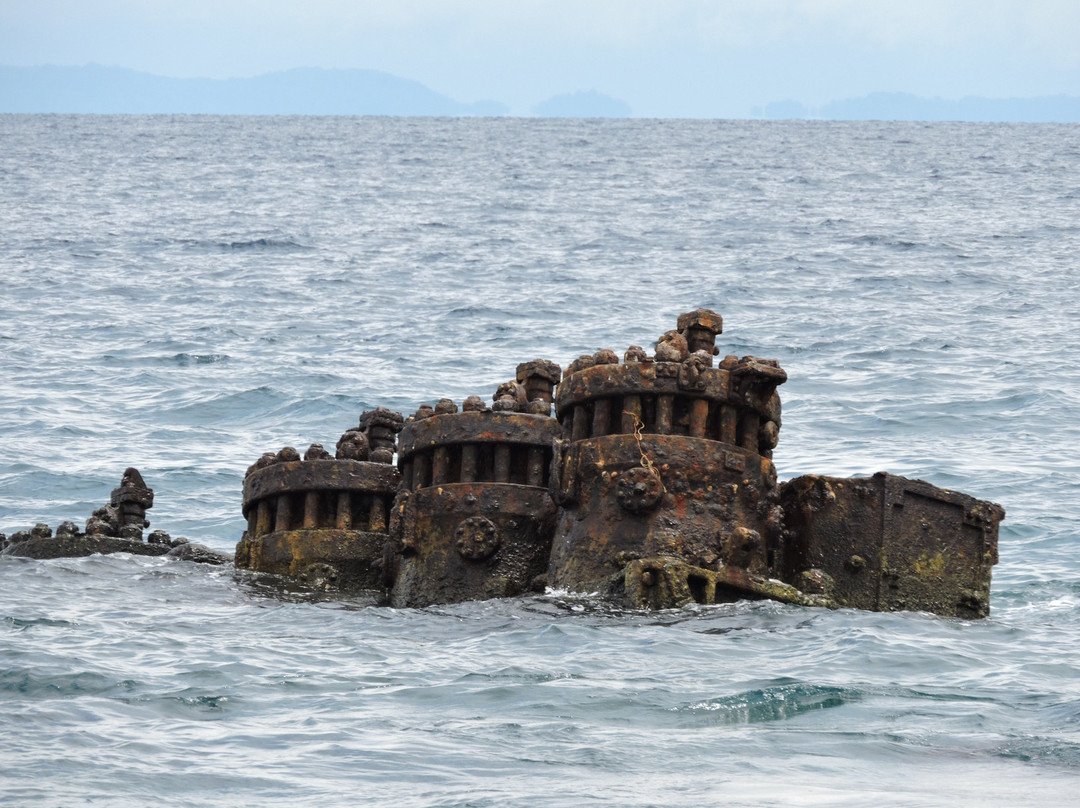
700 328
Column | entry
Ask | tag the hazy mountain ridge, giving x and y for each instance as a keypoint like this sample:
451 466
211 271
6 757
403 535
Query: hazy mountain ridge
908 107
302 91
587 104
316 91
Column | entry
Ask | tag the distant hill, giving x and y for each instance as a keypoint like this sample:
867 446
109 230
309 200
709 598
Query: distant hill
304 91
590 104
315 91
907 107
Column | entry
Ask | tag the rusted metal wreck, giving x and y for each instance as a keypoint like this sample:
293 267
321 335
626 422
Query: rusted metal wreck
116 527
653 484
323 519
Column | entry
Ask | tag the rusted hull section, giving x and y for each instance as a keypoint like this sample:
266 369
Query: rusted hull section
80 545
471 541
113 528
887 543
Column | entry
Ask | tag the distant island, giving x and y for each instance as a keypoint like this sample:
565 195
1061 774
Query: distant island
590 104
95 89
907 107
303 91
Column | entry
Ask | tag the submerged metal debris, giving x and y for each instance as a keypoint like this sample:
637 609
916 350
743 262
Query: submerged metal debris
653 484
323 519
114 528
886 543
474 516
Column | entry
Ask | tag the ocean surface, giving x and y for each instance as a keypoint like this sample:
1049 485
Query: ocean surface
181 294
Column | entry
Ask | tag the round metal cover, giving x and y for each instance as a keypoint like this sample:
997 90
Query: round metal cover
477 538
639 489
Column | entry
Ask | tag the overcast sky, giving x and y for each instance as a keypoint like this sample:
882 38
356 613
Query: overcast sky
695 58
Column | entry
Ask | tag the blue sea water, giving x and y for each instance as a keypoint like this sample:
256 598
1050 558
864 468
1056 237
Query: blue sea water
182 294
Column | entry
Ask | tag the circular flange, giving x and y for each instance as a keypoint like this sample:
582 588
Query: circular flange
639 489
319 576
477 538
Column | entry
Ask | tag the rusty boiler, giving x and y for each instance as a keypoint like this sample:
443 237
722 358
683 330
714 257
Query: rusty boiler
474 518
664 479
324 519
667 495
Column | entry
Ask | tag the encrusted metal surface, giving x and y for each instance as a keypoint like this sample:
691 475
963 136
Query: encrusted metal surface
470 541
78 545
323 520
698 501
668 583
888 543
476 427
301 476
475 516
504 447
352 559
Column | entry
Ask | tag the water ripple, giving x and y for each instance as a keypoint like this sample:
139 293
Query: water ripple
232 285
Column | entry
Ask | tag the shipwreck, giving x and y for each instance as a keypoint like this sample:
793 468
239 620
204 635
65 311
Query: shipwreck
648 481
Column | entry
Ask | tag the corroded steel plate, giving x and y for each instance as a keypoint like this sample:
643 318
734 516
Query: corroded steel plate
634 378
888 543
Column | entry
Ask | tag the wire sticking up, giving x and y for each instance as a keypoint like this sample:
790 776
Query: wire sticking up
646 461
